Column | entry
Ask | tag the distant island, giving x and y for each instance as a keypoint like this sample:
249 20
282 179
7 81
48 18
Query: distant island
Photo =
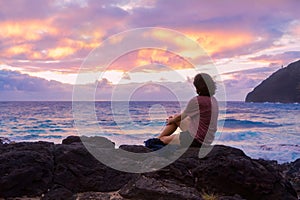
282 86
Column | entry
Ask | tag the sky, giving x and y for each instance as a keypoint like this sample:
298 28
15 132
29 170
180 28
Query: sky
45 44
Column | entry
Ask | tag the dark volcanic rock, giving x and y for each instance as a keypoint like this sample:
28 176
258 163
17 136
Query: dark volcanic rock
25 169
71 139
77 170
135 148
292 173
62 171
282 86
99 196
58 192
229 171
150 188
100 142
225 170
235 197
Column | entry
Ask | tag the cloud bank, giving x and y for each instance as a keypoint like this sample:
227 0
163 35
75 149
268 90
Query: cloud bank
54 37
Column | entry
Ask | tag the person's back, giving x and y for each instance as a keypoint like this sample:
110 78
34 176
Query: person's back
199 119
204 125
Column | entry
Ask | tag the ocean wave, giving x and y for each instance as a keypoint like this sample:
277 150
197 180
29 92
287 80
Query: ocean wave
34 137
277 147
58 130
239 136
235 123
249 126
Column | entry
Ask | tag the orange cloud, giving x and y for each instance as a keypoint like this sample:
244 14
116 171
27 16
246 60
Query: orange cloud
24 49
79 44
184 46
60 52
212 42
19 49
163 57
67 47
218 41
138 59
25 37
29 30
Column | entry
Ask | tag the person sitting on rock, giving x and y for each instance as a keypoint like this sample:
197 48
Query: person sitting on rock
198 121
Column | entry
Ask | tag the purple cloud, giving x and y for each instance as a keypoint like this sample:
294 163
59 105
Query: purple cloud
242 82
29 9
15 86
281 58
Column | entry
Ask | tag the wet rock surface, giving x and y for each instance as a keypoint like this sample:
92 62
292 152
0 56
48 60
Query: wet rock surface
25 168
70 171
291 171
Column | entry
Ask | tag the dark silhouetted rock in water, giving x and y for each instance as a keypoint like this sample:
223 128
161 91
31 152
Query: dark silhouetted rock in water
282 86
69 171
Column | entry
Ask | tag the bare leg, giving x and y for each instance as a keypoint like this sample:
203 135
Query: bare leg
174 139
168 130
167 135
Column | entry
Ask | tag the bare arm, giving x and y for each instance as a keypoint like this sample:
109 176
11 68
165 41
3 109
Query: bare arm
176 118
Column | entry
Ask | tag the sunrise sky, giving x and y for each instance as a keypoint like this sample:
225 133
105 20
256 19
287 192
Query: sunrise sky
44 43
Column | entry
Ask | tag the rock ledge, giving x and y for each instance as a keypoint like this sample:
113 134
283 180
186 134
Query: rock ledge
69 171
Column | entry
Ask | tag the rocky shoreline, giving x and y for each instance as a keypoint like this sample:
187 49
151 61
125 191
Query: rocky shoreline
43 170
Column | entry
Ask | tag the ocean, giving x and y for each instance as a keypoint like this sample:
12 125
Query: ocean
262 130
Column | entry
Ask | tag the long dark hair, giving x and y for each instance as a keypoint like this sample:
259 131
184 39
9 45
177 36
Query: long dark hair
204 84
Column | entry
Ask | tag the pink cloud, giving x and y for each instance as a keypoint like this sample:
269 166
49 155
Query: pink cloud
58 35
281 58
242 82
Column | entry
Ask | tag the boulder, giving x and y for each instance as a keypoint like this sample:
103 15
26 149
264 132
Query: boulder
71 140
148 188
96 141
229 171
135 148
58 192
77 170
25 169
292 173
225 170
70 171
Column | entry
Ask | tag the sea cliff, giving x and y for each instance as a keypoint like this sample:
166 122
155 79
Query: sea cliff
282 86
